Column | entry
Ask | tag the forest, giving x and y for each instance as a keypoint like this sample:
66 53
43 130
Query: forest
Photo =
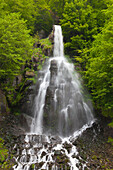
87 27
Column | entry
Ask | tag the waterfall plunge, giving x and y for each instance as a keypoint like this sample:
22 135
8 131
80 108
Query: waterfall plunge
60 107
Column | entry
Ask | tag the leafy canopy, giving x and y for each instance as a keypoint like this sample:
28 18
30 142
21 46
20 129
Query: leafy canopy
79 24
15 45
100 69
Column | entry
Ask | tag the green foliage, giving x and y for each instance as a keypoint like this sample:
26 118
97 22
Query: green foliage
57 7
100 70
3 151
79 24
39 54
3 155
25 8
83 22
5 158
36 13
16 93
108 11
33 166
15 45
110 140
111 124
44 20
3 7
46 42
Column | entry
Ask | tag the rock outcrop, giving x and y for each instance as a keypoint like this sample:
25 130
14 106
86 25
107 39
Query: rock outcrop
3 103
44 49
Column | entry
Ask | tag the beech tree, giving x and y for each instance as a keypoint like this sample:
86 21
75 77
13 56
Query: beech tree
25 8
78 24
15 45
44 20
81 21
99 67
57 7
100 70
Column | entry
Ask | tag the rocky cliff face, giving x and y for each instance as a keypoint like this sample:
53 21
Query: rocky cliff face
43 50
21 98
51 121
3 103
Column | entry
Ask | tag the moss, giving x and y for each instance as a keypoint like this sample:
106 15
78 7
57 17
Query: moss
33 166
94 157
110 140
4 162
17 113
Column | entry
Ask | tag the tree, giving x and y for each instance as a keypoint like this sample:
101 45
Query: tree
81 21
79 25
3 7
26 9
100 70
15 45
44 20
57 7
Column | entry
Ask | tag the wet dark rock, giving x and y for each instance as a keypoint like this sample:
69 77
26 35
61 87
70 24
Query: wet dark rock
29 74
40 164
46 157
43 154
28 158
42 34
25 122
3 104
53 69
75 156
35 67
51 37
67 146
56 140
50 120
57 152
27 102
35 59
93 147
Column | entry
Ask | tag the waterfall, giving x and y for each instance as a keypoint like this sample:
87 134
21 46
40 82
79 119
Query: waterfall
60 106
58 42
61 113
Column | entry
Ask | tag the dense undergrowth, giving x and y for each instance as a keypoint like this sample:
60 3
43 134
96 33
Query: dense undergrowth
4 156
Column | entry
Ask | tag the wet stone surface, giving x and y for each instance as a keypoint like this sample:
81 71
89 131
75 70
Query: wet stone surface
41 152
93 150
89 151
93 146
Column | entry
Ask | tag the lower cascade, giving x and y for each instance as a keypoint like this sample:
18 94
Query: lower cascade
61 113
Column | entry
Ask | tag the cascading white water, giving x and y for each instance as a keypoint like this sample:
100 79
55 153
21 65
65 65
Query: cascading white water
60 109
36 126
58 42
